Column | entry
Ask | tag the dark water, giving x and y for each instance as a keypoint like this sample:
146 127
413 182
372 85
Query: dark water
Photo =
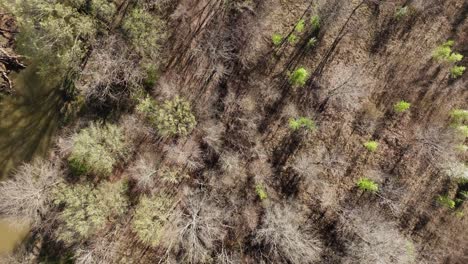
28 120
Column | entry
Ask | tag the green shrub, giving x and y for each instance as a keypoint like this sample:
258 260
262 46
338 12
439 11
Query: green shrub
292 39
172 118
277 39
96 149
371 145
301 122
312 42
367 185
261 192
457 71
459 116
151 215
446 202
401 106
86 209
401 12
300 26
315 22
463 130
145 31
443 53
299 77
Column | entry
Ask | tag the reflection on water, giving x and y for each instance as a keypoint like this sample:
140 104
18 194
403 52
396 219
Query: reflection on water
10 236
28 119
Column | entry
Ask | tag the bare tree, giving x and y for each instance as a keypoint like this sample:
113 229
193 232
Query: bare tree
102 249
25 197
110 71
185 154
144 172
285 235
197 225
437 145
374 239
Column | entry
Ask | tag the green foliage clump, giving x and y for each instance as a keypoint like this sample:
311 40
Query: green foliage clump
172 118
151 215
401 106
292 39
367 185
53 35
371 145
300 26
299 77
87 209
459 116
463 130
446 202
277 39
401 12
96 149
301 122
443 53
146 31
261 192
315 22
312 42
457 71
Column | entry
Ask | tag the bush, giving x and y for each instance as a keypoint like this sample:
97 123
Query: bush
315 22
446 202
301 122
401 106
261 192
96 149
463 130
312 42
172 118
367 185
371 145
300 26
459 116
277 39
151 215
401 12
457 71
146 32
299 77
87 209
292 39
443 53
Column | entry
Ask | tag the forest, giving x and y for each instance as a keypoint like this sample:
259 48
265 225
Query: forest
234 131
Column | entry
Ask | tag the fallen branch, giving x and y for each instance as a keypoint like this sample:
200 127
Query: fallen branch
11 62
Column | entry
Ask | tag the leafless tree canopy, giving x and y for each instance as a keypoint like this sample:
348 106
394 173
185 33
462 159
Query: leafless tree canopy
25 197
197 225
285 237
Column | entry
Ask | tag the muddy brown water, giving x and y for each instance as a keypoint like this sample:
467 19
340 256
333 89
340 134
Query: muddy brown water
28 121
